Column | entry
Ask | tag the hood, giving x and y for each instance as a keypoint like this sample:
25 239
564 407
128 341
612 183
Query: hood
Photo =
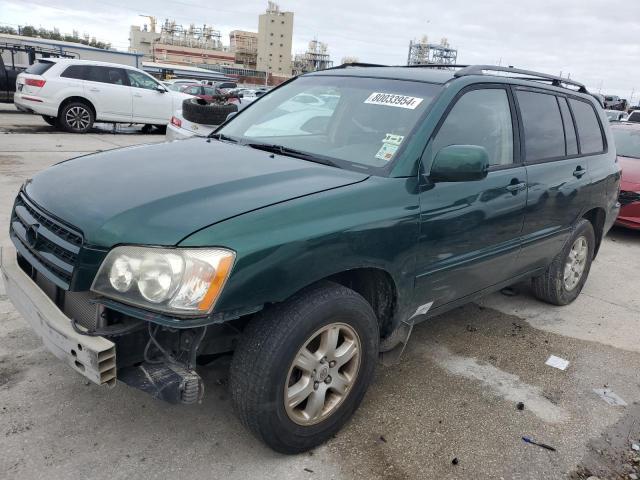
159 194
630 172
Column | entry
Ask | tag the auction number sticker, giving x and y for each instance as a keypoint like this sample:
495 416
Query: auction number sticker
393 100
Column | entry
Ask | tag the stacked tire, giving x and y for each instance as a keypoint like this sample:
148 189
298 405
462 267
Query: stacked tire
197 110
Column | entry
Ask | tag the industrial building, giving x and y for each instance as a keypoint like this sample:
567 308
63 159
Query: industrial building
315 58
275 37
424 53
179 45
244 45
55 48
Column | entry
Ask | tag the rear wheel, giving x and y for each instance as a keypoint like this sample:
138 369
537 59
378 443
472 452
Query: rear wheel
53 121
76 117
302 368
563 280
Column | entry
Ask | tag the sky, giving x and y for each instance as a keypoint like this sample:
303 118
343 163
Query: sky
596 42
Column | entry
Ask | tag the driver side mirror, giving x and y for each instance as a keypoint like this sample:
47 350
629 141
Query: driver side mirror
161 89
460 163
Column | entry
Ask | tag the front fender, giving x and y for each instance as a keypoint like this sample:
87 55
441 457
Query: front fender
285 247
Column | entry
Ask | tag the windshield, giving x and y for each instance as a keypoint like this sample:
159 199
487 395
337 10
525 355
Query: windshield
627 141
358 123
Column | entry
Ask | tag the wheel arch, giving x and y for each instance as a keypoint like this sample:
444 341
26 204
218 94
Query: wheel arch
377 287
77 98
596 217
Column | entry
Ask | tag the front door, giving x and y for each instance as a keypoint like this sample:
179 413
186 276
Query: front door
150 105
470 231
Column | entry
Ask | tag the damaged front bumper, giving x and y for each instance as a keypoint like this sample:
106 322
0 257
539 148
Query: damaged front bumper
93 354
92 357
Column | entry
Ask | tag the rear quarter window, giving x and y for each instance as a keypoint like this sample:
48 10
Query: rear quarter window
589 131
39 68
75 71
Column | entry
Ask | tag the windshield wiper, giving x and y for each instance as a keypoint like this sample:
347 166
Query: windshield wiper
223 137
291 152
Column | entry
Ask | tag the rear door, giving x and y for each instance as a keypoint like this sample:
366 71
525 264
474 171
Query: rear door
470 231
150 105
108 89
559 179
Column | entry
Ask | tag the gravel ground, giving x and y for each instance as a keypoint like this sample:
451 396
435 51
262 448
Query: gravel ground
448 410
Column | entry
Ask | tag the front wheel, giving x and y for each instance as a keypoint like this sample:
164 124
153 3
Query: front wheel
302 368
563 280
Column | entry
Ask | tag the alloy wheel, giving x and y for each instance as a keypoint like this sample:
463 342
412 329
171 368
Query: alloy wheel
322 374
575 263
78 117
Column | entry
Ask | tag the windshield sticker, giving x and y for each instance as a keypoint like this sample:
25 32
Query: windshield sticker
393 139
386 152
393 100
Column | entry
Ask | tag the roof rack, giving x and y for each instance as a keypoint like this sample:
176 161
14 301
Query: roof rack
480 69
530 75
356 64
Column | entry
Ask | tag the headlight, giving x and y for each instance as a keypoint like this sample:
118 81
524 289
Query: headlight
170 280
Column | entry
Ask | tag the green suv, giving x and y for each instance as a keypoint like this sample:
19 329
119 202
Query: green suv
310 232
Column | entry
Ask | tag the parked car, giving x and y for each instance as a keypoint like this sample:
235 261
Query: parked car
73 94
206 92
615 115
309 250
199 117
627 138
613 102
182 81
634 116
8 75
225 86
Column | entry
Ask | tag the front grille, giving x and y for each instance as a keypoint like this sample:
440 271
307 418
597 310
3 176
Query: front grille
50 246
75 305
626 197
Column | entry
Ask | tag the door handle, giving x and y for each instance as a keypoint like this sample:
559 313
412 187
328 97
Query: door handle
515 186
579 172
94 89
137 95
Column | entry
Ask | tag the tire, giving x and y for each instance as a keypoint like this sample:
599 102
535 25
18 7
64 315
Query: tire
76 117
263 366
199 111
53 121
551 286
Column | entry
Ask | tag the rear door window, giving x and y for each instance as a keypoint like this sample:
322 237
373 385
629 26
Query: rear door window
115 76
39 67
569 129
76 71
542 124
480 117
589 131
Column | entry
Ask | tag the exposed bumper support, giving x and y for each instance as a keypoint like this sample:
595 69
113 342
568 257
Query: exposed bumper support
93 357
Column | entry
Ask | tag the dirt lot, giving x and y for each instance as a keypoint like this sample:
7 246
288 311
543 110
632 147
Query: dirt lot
453 396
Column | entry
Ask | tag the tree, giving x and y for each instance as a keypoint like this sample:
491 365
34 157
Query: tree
29 31
9 30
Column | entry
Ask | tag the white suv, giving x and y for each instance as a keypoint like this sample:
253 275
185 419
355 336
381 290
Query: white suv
73 94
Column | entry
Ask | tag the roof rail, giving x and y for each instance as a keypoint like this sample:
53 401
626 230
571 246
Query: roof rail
356 64
435 65
530 75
